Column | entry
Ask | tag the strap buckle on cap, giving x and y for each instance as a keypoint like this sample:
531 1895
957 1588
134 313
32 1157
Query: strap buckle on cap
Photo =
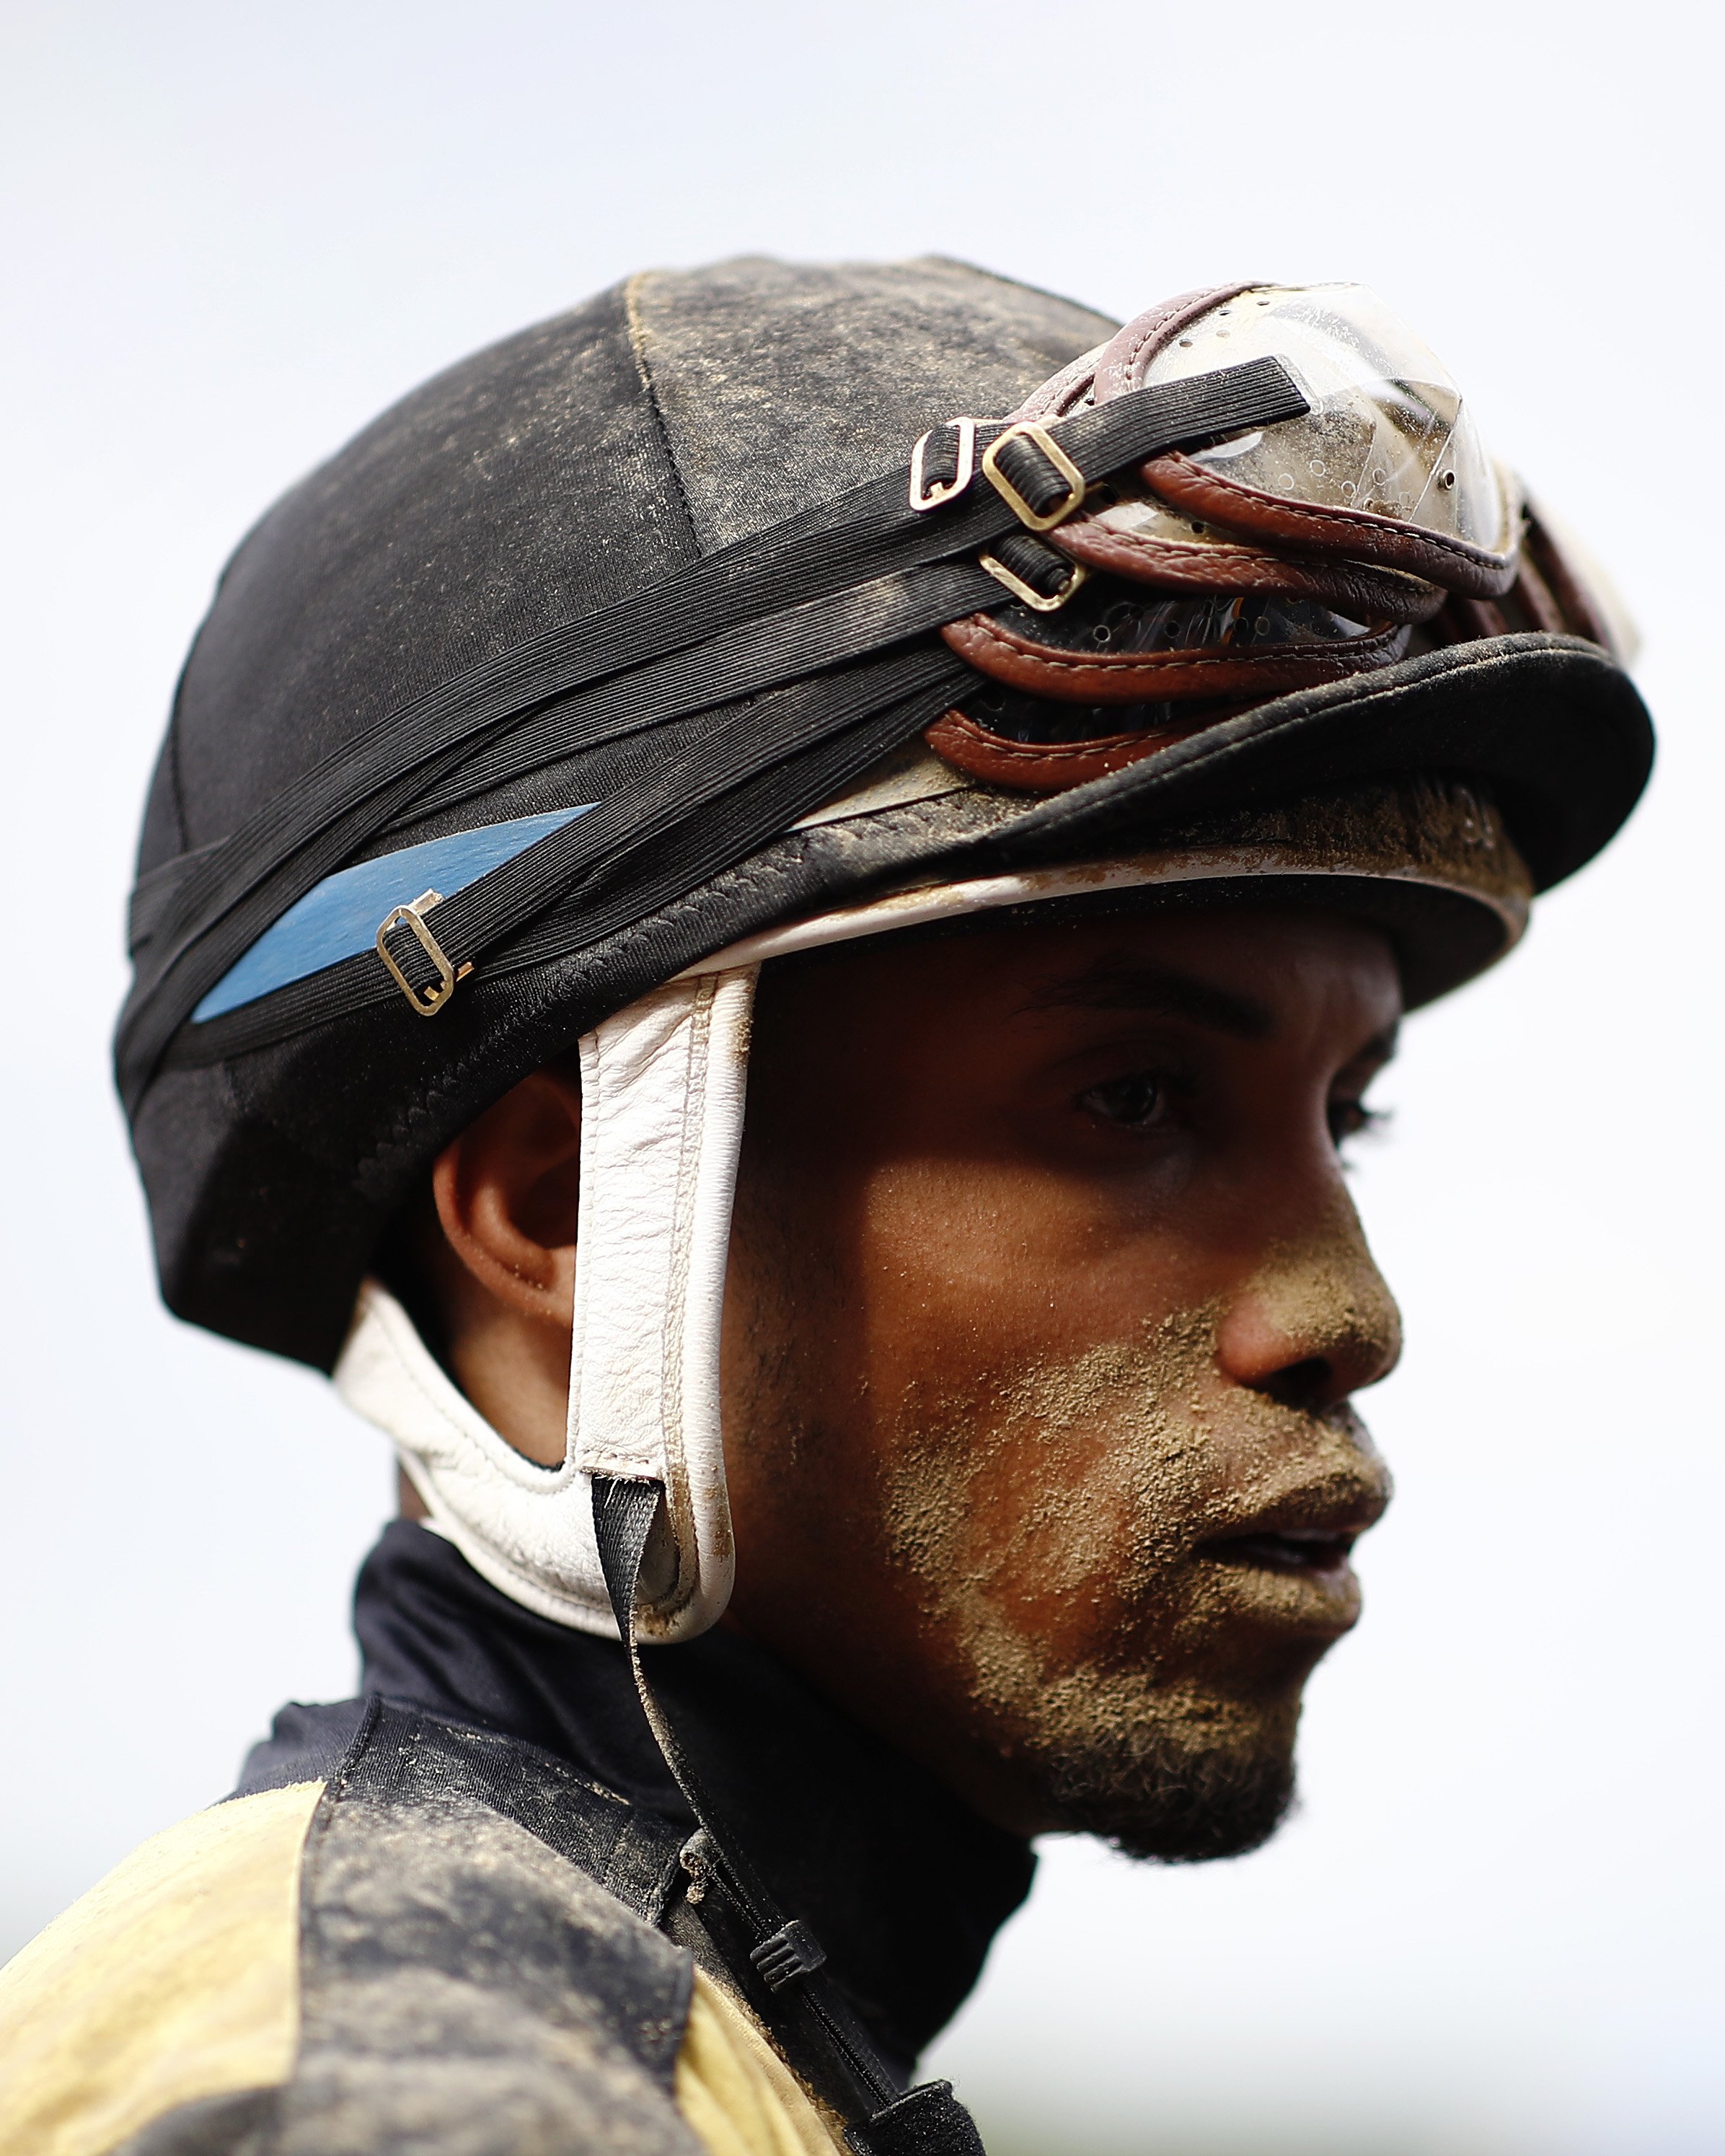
929 494
429 1001
1034 476
1036 574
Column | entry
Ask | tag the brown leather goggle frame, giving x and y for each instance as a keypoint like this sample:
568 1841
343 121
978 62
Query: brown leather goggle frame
1176 526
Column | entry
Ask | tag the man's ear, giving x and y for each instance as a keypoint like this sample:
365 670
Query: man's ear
502 1270
507 1193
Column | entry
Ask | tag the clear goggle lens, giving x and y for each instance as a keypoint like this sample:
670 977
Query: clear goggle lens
1388 433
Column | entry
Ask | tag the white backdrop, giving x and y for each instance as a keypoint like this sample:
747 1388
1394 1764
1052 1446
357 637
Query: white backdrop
235 233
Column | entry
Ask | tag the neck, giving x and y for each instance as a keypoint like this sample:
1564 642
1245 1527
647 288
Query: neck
904 1884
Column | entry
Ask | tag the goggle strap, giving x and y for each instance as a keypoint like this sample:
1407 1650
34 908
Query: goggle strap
1580 616
1062 675
870 533
1358 535
823 735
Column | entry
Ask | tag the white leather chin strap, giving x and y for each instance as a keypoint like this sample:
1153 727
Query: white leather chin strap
662 1089
662 1098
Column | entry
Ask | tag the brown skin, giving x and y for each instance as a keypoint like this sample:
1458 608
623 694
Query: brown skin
1046 1301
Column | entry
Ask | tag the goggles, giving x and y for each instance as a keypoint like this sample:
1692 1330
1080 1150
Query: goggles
1386 468
1372 526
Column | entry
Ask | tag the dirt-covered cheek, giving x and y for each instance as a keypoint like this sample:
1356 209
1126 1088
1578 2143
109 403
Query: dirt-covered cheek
1053 1506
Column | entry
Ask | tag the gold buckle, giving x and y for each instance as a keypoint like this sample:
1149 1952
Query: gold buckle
1076 574
1028 430
932 497
429 1001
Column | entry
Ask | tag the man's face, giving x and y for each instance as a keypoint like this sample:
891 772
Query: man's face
1046 1299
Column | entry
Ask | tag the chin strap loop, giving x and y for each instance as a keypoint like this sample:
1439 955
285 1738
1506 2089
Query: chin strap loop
802 2006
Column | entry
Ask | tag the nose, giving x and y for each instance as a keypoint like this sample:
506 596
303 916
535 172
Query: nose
1315 1323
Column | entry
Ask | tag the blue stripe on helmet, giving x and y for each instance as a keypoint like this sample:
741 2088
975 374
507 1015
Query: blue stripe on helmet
341 918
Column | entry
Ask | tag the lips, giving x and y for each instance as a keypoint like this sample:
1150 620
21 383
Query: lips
1288 1549
1312 1533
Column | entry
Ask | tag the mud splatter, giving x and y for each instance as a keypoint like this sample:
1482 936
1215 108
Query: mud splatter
1052 1524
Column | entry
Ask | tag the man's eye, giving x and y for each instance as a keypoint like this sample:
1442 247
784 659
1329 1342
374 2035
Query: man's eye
1348 1118
1134 1102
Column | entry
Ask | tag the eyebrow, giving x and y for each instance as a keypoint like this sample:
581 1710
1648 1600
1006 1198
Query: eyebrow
1118 984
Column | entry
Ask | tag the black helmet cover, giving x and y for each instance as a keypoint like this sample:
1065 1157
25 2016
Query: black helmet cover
534 696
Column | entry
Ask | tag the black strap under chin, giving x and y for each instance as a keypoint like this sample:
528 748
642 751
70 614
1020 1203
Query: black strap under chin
808 2016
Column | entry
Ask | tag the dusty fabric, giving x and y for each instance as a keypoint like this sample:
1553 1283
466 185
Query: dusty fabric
382 1961
160 2016
172 1983
735 2092
434 1923
904 1884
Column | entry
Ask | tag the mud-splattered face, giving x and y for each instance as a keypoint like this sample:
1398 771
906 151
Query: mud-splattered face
1046 1301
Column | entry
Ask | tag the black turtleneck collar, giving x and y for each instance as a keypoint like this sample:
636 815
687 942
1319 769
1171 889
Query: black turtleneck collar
904 1886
